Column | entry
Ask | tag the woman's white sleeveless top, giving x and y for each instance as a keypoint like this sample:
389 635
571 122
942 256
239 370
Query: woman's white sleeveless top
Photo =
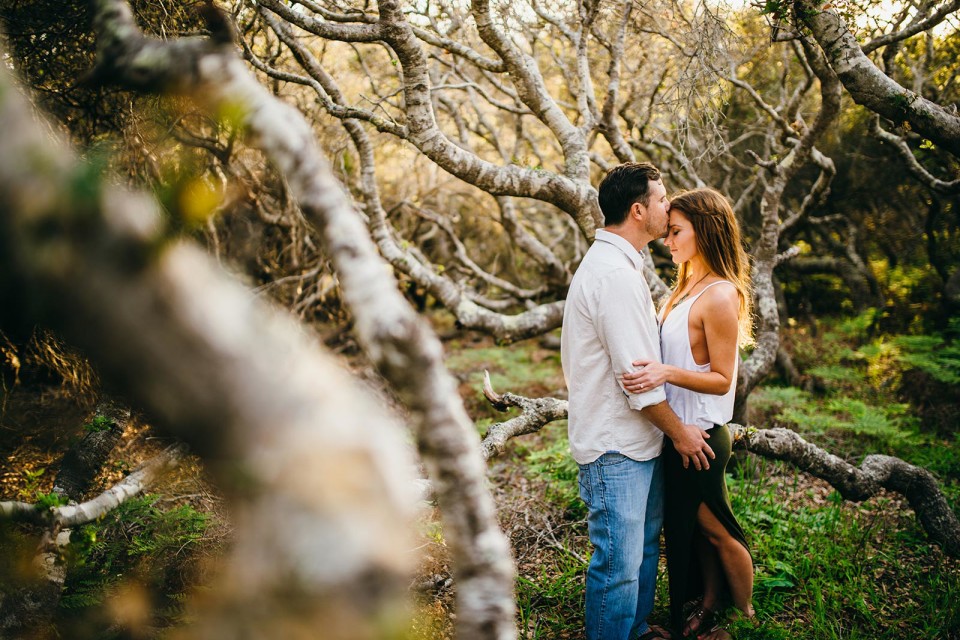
700 409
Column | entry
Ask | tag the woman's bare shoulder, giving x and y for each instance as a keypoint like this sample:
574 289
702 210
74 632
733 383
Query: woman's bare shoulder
722 297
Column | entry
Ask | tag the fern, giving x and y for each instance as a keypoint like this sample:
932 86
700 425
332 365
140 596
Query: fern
931 354
138 540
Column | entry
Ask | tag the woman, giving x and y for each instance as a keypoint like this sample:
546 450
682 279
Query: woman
705 319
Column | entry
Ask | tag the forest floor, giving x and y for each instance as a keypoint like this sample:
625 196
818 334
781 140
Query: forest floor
825 567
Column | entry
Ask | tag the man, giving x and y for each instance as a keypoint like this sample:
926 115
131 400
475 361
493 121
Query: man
616 437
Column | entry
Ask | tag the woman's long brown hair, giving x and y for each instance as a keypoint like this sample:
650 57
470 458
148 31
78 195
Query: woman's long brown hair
718 241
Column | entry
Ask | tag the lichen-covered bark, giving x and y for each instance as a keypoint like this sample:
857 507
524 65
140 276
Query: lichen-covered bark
859 483
872 88
401 344
86 458
536 413
291 437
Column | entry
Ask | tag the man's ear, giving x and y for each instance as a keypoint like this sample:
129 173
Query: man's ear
637 210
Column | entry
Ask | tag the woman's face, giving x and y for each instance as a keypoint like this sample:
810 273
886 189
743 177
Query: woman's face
681 240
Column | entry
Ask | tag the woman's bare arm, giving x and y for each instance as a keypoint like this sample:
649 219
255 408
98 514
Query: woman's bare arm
715 314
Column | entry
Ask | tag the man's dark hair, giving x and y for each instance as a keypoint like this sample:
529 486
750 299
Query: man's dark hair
622 186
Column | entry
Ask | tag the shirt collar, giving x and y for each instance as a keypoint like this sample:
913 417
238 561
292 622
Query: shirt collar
636 257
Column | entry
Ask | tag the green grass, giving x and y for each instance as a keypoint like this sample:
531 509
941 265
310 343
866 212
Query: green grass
554 464
512 368
521 368
550 601
851 570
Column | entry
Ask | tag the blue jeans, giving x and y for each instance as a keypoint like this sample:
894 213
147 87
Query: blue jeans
624 500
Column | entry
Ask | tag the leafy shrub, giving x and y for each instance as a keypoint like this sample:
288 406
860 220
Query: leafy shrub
931 378
99 423
138 542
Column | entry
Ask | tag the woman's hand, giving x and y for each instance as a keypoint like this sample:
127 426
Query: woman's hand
650 374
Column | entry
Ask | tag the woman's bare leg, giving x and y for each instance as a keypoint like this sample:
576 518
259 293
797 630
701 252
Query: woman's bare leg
710 568
733 558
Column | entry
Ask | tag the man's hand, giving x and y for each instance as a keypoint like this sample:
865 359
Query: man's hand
692 446
688 440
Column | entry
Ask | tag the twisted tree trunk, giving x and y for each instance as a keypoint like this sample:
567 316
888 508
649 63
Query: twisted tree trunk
290 436
397 340
872 88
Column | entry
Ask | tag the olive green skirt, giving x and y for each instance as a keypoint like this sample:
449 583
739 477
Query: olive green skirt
685 490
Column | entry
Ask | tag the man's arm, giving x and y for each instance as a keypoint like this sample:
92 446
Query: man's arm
688 440
623 312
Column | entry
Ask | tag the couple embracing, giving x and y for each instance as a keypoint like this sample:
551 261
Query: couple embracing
633 377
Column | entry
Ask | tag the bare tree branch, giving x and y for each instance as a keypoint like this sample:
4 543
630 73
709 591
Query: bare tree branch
234 378
913 165
362 32
915 27
533 92
394 337
536 412
856 484
875 472
870 87
138 481
765 249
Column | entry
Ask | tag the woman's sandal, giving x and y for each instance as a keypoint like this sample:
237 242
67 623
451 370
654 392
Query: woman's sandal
702 616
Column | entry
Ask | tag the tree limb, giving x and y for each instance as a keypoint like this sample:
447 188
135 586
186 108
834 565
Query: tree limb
233 377
916 26
142 477
870 87
856 484
400 343
913 165
536 413
75 515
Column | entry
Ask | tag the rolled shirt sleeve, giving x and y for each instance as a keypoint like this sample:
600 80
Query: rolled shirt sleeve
623 302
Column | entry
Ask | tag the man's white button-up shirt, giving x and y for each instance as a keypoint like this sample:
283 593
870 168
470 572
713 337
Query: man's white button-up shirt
608 322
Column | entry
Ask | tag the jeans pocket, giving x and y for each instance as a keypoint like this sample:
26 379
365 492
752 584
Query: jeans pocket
583 482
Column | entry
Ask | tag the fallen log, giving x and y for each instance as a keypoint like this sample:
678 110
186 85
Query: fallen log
855 483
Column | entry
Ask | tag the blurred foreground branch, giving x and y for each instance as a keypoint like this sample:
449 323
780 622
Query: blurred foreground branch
290 436
401 344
